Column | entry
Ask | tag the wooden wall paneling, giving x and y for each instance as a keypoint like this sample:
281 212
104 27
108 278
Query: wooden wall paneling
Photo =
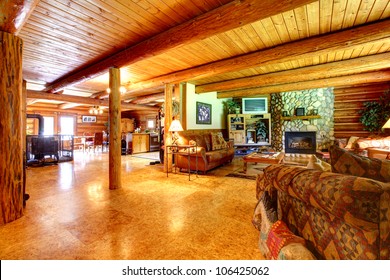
304 49
140 117
348 102
235 14
80 127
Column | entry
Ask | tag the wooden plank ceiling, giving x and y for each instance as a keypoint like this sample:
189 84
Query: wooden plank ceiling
238 48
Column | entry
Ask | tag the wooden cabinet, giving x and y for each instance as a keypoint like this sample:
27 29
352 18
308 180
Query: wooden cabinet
127 125
248 129
236 126
140 142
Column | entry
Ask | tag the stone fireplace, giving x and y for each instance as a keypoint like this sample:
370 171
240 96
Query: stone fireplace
286 103
300 142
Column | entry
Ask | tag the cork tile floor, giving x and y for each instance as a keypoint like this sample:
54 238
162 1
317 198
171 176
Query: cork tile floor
71 214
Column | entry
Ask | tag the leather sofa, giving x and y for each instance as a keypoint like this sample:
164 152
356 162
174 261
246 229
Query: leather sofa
329 215
212 150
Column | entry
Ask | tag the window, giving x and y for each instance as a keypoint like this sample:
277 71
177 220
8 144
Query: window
67 125
150 123
48 125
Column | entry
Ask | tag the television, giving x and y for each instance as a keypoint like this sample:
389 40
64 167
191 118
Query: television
256 105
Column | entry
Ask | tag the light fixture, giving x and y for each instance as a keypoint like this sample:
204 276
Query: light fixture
122 90
96 110
175 127
387 124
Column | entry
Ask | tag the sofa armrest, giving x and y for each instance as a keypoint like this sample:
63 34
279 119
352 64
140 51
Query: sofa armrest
199 152
230 143
378 153
360 203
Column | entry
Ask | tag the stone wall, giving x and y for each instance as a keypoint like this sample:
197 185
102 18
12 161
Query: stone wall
320 99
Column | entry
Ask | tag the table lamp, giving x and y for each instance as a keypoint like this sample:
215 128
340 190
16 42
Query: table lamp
175 127
387 124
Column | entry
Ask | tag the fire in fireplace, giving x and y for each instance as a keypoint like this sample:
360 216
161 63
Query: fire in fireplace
300 142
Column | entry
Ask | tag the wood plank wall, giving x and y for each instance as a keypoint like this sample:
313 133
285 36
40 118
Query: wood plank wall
80 127
141 117
348 102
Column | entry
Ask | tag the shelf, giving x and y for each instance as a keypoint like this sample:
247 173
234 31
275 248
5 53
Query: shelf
300 118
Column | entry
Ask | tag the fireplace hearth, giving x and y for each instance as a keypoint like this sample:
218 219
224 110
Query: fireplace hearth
300 142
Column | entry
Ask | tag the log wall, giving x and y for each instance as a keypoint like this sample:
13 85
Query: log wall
52 110
141 117
348 102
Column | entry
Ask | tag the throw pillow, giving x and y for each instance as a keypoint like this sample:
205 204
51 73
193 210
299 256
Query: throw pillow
280 236
345 162
217 141
316 163
351 141
295 251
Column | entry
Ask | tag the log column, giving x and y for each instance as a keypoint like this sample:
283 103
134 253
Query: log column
11 157
167 124
115 130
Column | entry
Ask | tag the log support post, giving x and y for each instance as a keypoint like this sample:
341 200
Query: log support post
115 130
167 124
11 160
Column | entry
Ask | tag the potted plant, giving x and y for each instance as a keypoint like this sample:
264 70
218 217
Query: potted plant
376 113
232 106
261 130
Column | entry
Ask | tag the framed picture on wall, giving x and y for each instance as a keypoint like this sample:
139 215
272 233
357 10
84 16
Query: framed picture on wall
203 113
88 119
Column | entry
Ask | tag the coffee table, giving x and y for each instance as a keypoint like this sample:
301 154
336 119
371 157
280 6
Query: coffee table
265 157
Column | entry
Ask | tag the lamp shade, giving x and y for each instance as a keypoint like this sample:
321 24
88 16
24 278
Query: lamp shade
175 126
387 124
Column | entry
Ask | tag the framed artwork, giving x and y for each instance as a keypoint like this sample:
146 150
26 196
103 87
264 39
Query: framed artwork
88 119
300 111
203 113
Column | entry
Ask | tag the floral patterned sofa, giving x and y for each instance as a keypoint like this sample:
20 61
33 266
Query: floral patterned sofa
326 215
212 150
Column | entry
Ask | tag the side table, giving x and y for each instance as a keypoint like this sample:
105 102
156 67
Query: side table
184 150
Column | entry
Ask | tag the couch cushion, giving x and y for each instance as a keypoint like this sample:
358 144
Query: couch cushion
346 162
218 155
217 141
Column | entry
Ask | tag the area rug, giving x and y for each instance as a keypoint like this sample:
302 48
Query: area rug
150 155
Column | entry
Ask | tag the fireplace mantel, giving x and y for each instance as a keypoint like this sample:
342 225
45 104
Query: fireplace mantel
292 118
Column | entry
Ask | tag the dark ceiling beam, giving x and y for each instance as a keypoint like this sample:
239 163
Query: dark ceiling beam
232 15
84 100
321 71
14 14
303 49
